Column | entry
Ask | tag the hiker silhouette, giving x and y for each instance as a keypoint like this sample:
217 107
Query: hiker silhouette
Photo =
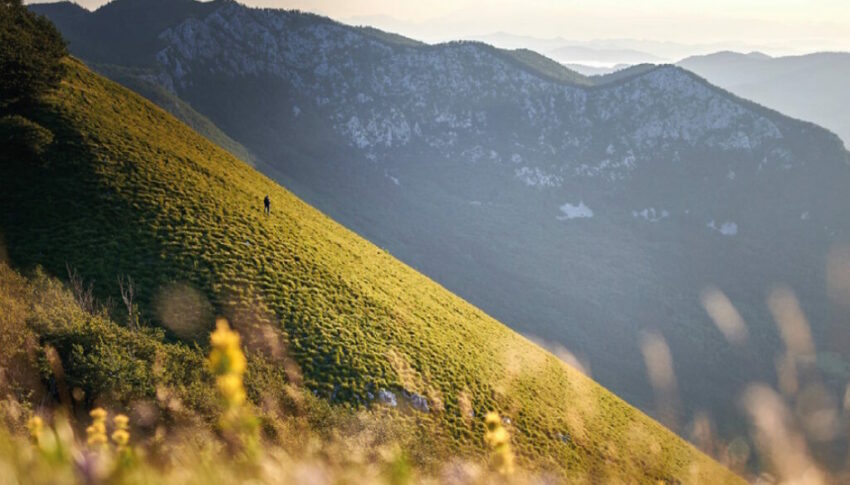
267 203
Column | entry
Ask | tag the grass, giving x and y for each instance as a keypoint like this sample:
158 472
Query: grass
63 361
135 80
125 189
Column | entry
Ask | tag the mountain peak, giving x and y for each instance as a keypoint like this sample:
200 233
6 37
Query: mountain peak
64 7
136 4
167 8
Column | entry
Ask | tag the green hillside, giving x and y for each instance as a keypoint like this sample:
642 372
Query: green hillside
136 81
125 189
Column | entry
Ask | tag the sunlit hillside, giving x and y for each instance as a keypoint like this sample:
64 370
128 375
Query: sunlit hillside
124 191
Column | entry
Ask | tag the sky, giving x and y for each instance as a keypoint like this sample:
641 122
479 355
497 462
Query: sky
775 26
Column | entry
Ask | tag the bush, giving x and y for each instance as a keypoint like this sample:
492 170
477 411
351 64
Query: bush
101 360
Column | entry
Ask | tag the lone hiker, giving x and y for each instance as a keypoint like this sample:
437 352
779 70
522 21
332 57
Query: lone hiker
267 203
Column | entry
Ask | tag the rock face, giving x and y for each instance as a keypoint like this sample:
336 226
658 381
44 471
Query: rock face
387 398
420 403
581 211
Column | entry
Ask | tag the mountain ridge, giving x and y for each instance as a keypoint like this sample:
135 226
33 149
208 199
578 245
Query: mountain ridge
805 86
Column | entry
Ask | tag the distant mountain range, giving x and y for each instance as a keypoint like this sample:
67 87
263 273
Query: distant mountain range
812 87
661 51
586 212
586 70
581 54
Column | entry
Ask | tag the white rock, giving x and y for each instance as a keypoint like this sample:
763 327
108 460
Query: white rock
580 211
387 397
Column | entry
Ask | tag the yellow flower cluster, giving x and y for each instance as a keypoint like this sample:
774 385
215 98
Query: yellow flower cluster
96 433
227 363
121 435
35 425
499 441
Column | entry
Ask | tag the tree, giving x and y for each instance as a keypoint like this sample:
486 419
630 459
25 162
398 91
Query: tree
30 53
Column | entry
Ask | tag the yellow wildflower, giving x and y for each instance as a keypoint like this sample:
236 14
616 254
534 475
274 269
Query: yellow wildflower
226 356
98 427
96 433
98 414
95 439
228 363
121 421
492 420
237 361
223 337
35 426
121 437
498 439
230 386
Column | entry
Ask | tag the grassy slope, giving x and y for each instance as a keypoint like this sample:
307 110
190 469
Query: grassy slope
135 81
126 188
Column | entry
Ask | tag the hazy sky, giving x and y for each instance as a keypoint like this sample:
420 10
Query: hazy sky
783 26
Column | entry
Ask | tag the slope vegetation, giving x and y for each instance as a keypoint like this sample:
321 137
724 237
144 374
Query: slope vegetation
125 189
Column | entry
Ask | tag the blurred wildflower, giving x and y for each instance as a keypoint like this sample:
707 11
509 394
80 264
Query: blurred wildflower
792 324
659 370
498 439
35 425
121 435
778 440
724 315
659 361
230 386
838 274
121 421
228 363
98 414
96 433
